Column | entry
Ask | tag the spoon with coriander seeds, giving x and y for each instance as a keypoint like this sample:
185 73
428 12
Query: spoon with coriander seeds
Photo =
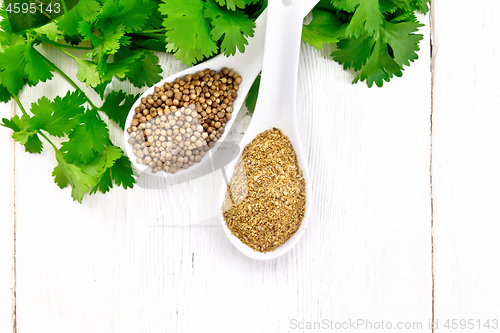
264 210
175 126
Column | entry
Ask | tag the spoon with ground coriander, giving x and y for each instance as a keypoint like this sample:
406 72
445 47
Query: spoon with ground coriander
264 210
179 134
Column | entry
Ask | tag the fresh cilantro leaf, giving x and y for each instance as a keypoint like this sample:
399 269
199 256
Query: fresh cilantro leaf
117 106
145 72
100 163
403 4
380 67
94 167
21 63
5 95
233 25
101 87
122 173
50 31
87 139
12 65
253 93
345 5
125 41
15 123
324 28
66 173
108 41
401 16
120 68
101 60
388 6
420 5
60 116
98 78
7 43
367 18
10 39
85 10
5 22
23 133
104 184
87 31
232 4
376 45
112 154
353 53
188 31
370 56
30 140
87 72
132 14
101 168
36 68
188 57
155 18
403 41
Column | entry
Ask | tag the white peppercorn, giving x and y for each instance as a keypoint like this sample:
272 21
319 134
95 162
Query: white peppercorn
174 127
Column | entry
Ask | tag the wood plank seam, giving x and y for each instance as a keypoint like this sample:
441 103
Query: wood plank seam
11 223
14 277
431 30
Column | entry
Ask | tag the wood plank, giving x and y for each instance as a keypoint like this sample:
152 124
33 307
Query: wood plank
369 238
157 260
466 161
7 225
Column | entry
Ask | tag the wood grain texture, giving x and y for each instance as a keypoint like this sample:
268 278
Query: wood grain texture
7 224
156 259
466 161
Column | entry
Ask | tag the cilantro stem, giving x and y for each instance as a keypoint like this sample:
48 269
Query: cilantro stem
68 46
63 3
57 69
151 35
153 31
20 105
38 131
48 140
58 46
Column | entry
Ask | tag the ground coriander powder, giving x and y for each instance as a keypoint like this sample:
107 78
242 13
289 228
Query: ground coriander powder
265 201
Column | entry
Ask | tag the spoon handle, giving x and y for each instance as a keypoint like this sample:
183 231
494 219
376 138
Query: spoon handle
281 59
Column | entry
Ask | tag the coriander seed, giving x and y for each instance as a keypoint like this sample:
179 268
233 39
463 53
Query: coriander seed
182 118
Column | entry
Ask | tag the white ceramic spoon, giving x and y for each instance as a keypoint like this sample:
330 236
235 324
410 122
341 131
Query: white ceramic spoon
247 65
276 104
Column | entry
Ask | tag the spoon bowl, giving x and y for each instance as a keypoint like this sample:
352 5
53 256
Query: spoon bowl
247 65
276 106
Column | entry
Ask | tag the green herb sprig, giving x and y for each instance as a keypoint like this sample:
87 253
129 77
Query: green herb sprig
374 37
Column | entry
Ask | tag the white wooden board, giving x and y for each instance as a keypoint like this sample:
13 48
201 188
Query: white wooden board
466 163
156 260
